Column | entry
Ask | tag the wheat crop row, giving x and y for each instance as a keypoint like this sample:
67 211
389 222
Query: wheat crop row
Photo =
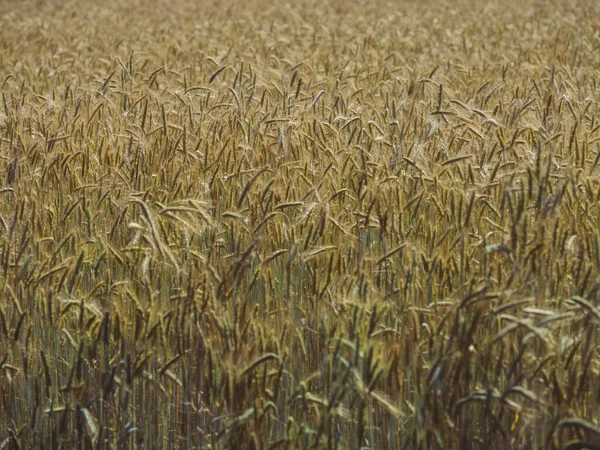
319 224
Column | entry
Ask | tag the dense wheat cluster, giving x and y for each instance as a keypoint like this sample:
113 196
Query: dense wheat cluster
315 224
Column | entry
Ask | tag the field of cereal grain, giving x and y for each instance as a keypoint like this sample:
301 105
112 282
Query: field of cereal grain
299 225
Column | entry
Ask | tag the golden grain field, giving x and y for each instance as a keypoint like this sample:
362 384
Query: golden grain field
327 224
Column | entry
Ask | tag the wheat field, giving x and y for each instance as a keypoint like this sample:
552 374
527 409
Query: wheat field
299 225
